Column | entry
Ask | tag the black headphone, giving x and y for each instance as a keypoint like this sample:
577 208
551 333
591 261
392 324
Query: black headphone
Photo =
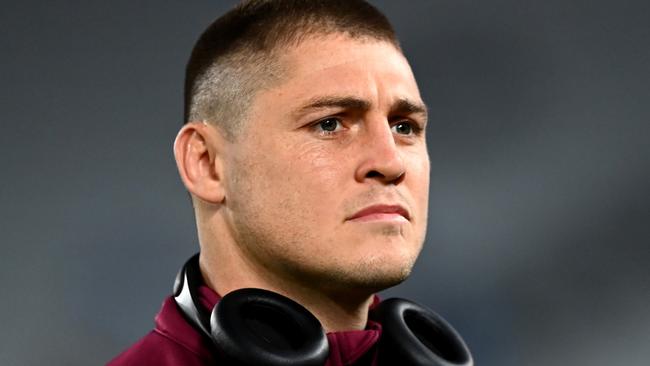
259 327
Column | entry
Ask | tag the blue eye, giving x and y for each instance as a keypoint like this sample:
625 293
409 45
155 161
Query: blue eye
329 124
403 128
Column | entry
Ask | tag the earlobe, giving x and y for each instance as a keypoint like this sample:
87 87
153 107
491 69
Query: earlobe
197 154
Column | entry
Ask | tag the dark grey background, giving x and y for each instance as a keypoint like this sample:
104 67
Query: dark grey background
539 222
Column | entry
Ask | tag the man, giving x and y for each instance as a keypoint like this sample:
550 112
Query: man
305 156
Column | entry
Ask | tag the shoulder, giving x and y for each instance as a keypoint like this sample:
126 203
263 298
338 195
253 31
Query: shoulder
157 349
172 342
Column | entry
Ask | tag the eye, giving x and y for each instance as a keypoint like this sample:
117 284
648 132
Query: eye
329 125
403 128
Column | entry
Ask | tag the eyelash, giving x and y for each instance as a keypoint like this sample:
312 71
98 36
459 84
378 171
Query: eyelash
322 132
416 130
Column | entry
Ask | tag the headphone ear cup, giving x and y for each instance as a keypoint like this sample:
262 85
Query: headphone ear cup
260 327
415 335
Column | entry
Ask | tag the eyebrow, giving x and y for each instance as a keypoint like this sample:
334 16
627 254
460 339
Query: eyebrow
402 106
333 101
405 106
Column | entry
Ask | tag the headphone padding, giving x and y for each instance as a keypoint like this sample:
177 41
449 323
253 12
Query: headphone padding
415 335
259 327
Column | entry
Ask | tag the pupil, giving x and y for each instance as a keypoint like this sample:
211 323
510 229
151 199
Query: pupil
404 128
328 125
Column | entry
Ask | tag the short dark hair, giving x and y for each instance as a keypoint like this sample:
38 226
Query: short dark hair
237 54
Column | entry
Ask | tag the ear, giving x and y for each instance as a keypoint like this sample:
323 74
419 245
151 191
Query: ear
197 149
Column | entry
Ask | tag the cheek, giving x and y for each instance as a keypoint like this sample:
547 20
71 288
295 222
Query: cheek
298 175
314 166
419 183
419 167
322 168
425 176
316 177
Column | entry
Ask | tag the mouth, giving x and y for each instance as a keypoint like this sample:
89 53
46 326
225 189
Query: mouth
381 212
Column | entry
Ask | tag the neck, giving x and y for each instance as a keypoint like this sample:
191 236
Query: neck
225 268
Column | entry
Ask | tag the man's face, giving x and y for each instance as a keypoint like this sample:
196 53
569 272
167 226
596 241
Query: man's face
327 184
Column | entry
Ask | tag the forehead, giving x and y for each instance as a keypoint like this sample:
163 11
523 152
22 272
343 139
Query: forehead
339 65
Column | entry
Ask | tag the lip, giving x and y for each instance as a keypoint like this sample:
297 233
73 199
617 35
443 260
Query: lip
381 212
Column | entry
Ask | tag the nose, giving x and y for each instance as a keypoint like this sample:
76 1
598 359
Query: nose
381 157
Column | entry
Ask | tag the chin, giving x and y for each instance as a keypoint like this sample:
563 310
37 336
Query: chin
382 281
382 278
374 273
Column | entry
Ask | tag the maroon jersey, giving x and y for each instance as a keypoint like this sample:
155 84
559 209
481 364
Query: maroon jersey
174 341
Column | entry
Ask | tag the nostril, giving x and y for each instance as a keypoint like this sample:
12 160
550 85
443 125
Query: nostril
374 174
392 178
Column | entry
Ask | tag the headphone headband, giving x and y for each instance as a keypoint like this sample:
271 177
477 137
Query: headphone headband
253 326
186 294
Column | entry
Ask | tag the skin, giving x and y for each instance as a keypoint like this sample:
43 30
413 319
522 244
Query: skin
343 130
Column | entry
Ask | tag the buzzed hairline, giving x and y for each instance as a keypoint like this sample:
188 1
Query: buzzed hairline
226 71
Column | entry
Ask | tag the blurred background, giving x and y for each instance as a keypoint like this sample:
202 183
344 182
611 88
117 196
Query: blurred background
538 242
